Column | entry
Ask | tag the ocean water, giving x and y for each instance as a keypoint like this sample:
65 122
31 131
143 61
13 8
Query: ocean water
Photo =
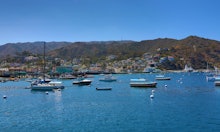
189 103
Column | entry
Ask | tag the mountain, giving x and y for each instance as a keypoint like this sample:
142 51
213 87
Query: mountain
81 49
197 52
124 49
34 47
193 50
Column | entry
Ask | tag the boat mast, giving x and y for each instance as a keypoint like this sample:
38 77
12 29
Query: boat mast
44 65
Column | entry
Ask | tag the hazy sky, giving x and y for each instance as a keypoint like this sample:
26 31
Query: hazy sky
101 20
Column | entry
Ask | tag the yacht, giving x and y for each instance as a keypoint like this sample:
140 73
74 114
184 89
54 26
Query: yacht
47 86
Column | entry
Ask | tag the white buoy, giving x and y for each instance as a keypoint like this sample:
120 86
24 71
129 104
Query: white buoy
151 96
165 85
4 96
152 91
46 92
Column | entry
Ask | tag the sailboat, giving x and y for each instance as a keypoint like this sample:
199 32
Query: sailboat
188 69
46 85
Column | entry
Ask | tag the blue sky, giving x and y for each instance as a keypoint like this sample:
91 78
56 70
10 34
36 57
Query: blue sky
103 20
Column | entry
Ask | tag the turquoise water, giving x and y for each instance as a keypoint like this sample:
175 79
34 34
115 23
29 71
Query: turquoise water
188 103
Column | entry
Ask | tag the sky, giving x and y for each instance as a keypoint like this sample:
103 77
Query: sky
105 20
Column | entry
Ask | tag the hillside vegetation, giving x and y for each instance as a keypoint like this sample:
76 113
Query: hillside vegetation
193 50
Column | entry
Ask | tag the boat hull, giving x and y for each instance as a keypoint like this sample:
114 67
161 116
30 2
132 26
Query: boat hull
104 88
46 88
107 80
85 82
143 84
163 78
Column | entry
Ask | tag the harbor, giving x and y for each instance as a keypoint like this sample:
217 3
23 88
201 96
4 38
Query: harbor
187 102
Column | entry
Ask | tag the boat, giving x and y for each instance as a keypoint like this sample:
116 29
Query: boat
217 78
162 77
213 78
48 86
210 77
40 80
108 78
188 68
217 83
142 83
3 80
44 84
104 88
82 82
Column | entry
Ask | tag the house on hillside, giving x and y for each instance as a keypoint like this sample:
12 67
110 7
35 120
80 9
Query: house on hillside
31 58
170 58
163 59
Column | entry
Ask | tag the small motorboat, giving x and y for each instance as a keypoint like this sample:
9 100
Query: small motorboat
104 88
162 77
82 82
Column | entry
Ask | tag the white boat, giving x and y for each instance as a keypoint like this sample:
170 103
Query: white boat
188 69
217 78
44 84
82 82
40 80
217 83
213 78
3 80
108 78
142 83
210 78
162 77
47 86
